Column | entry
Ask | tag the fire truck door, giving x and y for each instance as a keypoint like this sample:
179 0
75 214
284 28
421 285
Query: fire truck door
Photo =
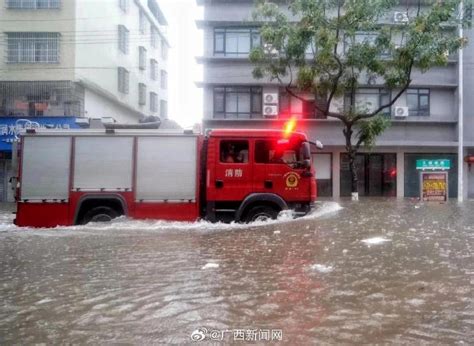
233 170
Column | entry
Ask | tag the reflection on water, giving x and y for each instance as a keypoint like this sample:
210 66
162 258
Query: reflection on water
374 271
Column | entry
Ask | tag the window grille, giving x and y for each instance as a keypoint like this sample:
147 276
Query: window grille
123 4
33 4
123 80
142 58
153 102
123 41
164 79
163 109
33 47
41 98
141 94
153 69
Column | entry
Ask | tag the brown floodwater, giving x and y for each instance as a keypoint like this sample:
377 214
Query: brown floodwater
377 271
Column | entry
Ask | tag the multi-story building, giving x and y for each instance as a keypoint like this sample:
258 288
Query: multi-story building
79 58
425 120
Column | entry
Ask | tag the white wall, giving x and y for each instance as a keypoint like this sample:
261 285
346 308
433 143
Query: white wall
97 106
98 56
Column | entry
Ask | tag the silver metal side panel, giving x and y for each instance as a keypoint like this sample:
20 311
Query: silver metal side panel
45 168
103 163
166 168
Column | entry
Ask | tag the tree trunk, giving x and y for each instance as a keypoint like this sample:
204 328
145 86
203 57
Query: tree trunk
351 152
353 170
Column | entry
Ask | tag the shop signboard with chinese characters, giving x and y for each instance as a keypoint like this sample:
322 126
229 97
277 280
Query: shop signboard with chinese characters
10 127
434 179
434 186
440 164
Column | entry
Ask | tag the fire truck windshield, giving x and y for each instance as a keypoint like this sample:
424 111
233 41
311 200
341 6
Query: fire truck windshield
286 152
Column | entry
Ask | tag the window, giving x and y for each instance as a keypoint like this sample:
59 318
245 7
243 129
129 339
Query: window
310 51
123 80
142 58
234 151
123 4
363 37
274 152
359 38
123 39
418 102
368 100
153 102
141 94
292 106
155 38
235 41
33 47
142 21
163 109
238 102
164 79
33 4
164 50
153 69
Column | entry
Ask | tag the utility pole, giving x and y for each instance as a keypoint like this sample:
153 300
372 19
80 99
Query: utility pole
460 112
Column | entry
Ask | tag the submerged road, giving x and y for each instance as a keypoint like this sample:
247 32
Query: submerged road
376 271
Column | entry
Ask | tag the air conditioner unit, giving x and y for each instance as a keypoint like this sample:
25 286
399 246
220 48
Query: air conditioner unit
270 111
401 112
270 99
400 17
268 48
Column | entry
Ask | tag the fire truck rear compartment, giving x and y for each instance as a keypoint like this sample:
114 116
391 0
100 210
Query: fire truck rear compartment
140 169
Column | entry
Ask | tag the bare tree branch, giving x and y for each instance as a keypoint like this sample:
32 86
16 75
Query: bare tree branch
334 85
390 104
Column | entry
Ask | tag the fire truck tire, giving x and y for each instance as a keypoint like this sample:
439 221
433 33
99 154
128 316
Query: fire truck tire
99 214
261 213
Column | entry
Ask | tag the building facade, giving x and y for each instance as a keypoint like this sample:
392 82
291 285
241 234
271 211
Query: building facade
80 58
425 120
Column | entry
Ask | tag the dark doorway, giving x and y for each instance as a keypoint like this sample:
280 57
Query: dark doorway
376 173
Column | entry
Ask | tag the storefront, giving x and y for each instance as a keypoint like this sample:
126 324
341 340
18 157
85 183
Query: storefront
10 127
412 172
376 173
323 166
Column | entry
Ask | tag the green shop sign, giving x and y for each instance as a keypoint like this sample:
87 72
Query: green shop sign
433 164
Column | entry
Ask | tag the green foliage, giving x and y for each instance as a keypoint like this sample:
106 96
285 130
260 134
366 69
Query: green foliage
371 129
323 50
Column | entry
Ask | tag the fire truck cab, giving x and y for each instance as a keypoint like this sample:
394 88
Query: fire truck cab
75 177
254 174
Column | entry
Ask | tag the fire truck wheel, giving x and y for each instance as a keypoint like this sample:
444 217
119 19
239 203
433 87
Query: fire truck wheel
100 214
261 213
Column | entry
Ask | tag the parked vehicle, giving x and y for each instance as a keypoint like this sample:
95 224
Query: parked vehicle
75 177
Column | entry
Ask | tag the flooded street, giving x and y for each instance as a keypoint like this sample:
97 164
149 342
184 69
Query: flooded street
376 271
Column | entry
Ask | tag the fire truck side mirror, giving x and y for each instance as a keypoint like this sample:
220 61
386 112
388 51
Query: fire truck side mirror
307 164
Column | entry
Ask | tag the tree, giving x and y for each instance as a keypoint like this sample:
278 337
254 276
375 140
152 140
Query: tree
352 43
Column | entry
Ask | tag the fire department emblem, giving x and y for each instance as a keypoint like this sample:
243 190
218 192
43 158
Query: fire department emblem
292 180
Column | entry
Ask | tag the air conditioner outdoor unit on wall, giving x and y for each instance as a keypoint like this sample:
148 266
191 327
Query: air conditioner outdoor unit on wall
401 112
270 99
270 111
400 17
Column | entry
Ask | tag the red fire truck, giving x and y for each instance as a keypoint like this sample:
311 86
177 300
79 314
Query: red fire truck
78 176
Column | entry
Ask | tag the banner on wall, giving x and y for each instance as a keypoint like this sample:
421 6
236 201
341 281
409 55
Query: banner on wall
10 127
